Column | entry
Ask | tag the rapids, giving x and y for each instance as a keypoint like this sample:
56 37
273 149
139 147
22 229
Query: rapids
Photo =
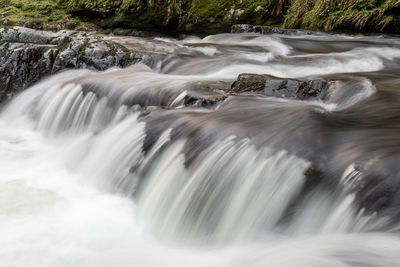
117 169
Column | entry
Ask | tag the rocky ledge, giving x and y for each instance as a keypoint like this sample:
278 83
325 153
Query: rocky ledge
28 55
286 88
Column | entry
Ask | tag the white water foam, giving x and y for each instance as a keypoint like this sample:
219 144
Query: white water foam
69 161
49 216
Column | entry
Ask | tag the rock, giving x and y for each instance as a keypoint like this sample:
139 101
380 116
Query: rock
205 101
287 88
376 183
26 35
249 82
242 28
28 55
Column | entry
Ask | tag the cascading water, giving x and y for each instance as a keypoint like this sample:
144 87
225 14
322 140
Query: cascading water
124 168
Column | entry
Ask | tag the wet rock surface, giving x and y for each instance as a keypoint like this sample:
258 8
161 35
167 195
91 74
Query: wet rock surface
286 88
28 55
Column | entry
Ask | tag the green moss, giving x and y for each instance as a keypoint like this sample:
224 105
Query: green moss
83 49
103 8
174 15
216 15
39 14
249 82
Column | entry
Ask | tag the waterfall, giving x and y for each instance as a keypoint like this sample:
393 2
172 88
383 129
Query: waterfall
152 166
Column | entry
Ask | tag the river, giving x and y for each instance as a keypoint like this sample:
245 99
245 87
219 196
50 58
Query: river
120 168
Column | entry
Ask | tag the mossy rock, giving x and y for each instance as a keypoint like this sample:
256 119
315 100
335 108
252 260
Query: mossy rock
278 87
171 16
216 16
249 82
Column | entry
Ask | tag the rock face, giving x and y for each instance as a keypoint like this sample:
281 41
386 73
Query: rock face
287 88
28 55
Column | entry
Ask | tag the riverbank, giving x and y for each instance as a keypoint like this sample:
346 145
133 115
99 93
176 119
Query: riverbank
201 17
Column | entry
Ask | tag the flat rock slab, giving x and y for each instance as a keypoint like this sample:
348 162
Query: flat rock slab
279 87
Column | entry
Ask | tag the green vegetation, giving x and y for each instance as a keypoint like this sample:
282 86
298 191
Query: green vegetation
174 15
219 15
38 14
369 15
202 16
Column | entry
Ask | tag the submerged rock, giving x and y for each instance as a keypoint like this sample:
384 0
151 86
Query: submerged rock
28 55
287 88
200 100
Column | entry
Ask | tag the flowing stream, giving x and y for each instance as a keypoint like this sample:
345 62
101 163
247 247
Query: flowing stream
117 169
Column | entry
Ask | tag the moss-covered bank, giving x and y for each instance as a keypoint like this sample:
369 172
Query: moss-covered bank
203 16
39 14
173 16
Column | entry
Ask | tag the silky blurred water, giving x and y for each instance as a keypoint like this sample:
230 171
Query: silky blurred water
77 187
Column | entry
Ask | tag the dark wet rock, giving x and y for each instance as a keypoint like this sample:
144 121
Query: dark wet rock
287 88
205 101
28 55
376 183
204 94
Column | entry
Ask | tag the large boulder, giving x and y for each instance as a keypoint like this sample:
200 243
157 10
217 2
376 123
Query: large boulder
28 55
